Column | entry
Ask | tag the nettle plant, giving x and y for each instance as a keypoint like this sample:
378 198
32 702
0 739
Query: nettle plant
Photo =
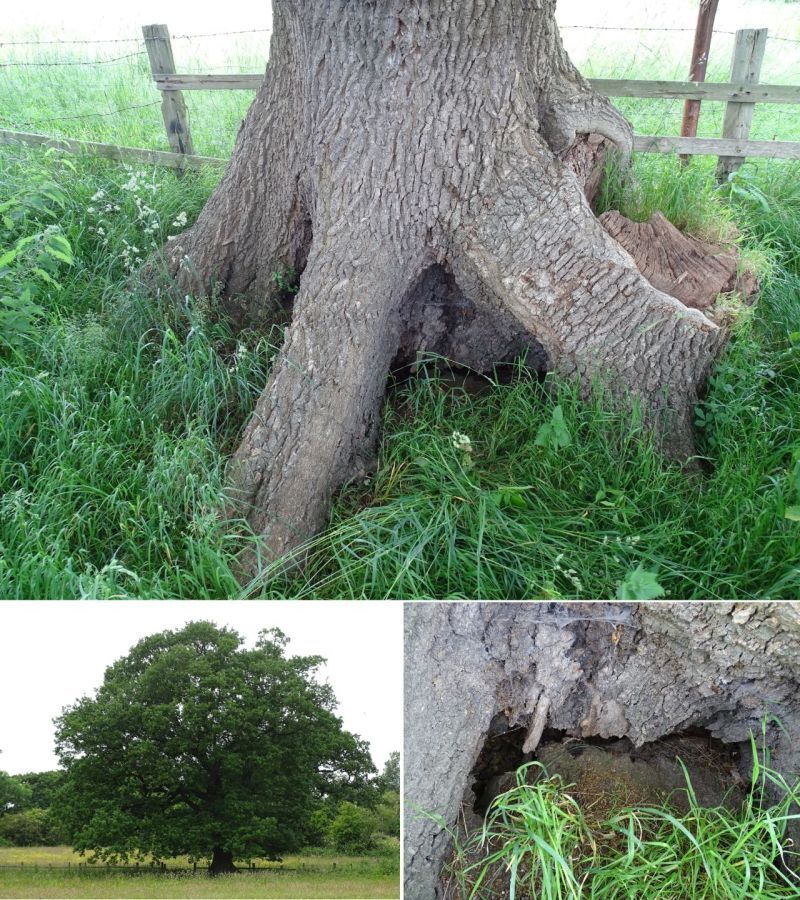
33 254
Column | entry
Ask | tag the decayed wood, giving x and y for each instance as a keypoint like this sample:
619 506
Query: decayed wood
693 271
640 671
645 143
173 107
609 87
697 69
586 157
748 54
110 151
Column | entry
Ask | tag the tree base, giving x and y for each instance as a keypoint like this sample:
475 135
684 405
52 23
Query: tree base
222 863
429 182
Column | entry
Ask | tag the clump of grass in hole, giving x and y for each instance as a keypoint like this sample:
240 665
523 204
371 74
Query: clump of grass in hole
537 842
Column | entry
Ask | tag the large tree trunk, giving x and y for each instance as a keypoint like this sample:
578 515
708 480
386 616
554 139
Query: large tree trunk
221 862
641 671
414 162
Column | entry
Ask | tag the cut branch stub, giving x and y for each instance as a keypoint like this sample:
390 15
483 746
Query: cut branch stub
693 271
401 147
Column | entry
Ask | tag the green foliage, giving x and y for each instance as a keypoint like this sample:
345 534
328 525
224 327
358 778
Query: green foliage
32 255
32 827
387 814
352 831
44 787
536 841
640 585
13 793
553 435
194 743
389 779
287 280
319 823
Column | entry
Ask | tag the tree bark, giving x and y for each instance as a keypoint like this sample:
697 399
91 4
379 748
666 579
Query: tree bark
222 862
640 671
395 145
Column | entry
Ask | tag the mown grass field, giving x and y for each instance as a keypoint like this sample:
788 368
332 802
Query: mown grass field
119 411
303 876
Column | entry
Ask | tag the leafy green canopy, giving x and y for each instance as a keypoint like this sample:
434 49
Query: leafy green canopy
194 744
13 793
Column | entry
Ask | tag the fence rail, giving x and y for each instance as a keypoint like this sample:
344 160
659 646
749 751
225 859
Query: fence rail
609 87
643 143
740 94
110 151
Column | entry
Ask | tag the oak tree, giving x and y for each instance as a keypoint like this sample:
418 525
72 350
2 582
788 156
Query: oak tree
195 744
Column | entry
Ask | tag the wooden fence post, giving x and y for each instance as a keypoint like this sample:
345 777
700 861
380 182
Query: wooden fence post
173 107
748 54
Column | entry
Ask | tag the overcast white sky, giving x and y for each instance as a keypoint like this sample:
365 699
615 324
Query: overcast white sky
101 19
55 652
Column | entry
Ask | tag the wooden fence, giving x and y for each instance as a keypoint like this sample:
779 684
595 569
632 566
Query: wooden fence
159 868
740 94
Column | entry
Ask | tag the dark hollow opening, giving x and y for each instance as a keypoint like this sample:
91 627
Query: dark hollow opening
610 772
466 342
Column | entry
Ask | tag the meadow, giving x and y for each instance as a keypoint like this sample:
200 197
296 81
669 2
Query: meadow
119 411
304 876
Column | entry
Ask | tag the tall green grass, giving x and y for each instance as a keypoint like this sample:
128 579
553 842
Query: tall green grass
536 841
120 412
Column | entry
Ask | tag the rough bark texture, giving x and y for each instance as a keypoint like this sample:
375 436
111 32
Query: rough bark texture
396 144
640 671
692 270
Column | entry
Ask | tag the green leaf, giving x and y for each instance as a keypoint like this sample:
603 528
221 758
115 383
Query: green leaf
792 513
554 435
640 585
45 276
59 248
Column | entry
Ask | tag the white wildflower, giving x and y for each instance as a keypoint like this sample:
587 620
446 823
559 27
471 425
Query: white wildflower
461 442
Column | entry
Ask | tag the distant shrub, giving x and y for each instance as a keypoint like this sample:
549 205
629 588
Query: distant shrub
31 828
352 831
387 814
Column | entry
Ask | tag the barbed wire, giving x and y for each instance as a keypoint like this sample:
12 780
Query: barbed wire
113 112
178 37
181 37
772 37
133 40
82 62
71 41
